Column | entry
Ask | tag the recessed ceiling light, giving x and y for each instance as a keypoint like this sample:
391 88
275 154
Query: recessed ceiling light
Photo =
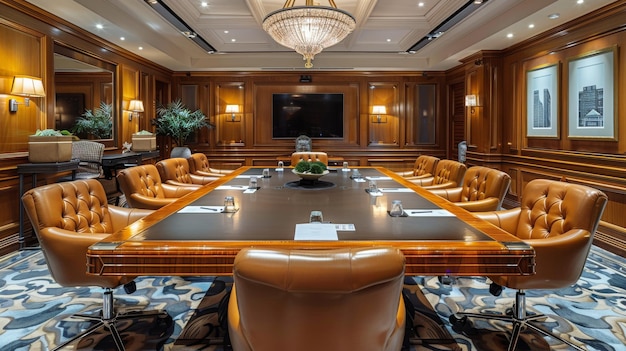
122 38
420 4
554 16
531 26
389 40
478 2
225 32
141 48
580 1
510 35
204 4
99 26
233 40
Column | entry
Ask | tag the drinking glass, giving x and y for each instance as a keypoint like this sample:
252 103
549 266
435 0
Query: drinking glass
266 172
280 166
253 184
345 167
396 208
373 187
229 204
316 216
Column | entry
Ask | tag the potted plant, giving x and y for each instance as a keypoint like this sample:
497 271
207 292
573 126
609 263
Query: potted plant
97 123
177 121
50 145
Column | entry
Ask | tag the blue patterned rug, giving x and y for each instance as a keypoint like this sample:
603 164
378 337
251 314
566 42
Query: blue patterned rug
35 312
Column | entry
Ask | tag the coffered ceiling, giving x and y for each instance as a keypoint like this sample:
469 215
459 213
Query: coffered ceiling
385 33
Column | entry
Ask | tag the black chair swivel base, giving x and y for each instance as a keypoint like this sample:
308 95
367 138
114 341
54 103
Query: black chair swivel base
517 316
108 319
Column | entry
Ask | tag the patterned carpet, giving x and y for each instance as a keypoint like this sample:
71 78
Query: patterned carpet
35 311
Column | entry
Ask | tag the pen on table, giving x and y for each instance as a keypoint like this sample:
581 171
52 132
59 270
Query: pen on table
208 208
412 212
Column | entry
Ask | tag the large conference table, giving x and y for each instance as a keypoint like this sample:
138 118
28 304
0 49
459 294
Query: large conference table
446 241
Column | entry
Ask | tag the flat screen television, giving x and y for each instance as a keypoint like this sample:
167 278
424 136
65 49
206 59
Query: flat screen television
314 115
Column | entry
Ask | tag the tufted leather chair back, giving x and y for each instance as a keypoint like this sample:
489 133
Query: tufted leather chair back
425 165
198 162
176 169
143 179
351 300
449 171
551 208
67 218
309 156
481 183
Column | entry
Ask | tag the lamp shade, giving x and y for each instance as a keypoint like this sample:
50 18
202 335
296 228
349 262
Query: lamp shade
135 106
379 109
232 109
471 100
27 86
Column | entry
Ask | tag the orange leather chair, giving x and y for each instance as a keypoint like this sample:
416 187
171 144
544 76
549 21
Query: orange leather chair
311 300
558 220
482 189
448 174
69 217
142 188
424 167
199 164
308 156
175 171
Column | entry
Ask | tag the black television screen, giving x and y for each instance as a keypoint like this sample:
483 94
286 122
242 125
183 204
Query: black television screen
314 115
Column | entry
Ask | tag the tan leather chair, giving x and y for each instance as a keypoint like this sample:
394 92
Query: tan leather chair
448 174
199 164
482 189
175 171
558 220
424 167
69 217
142 188
341 299
309 156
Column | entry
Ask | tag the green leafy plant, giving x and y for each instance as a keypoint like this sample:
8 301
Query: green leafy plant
179 122
52 132
98 122
313 167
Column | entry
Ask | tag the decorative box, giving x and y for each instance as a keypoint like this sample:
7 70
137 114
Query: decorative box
144 142
49 148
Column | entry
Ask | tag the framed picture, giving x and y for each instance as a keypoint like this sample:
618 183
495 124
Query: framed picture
542 101
591 99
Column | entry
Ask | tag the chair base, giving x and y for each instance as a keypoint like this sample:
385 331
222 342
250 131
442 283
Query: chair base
518 317
107 321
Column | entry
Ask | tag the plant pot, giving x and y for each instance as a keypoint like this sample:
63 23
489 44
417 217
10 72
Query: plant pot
180 151
49 149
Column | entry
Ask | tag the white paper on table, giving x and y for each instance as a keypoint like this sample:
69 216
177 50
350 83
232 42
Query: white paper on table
378 178
250 191
315 231
345 227
246 176
232 187
375 193
359 180
202 209
396 190
417 212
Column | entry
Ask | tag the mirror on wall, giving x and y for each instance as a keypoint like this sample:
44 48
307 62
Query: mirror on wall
84 95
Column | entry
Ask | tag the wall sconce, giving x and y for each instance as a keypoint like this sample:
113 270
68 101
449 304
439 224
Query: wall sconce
135 106
471 101
233 109
28 87
379 110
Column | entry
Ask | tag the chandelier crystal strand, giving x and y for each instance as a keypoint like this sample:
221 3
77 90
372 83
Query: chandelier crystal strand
308 29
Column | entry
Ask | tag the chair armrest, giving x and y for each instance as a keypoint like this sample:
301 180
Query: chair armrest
174 191
450 194
488 204
202 180
208 174
406 173
182 185
505 219
423 176
220 171
123 216
151 203
423 182
445 185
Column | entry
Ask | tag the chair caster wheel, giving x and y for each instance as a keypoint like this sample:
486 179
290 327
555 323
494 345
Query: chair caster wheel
130 287
458 323
445 279
495 289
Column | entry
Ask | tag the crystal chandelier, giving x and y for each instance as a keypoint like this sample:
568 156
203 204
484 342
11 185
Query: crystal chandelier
308 29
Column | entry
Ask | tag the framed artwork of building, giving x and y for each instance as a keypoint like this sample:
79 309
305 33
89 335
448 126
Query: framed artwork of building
542 101
591 99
